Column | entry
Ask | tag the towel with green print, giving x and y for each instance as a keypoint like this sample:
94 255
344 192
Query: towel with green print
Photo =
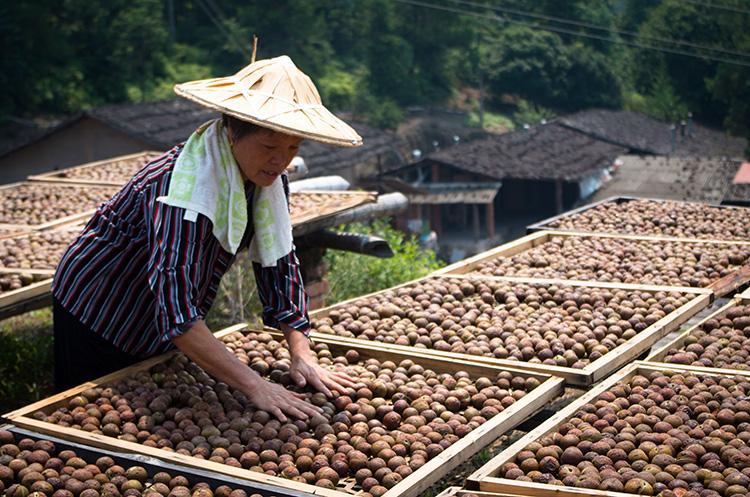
207 180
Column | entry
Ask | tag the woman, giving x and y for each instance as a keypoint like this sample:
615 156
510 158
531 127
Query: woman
143 274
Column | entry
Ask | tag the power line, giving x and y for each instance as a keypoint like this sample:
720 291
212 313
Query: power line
418 3
583 24
219 24
717 6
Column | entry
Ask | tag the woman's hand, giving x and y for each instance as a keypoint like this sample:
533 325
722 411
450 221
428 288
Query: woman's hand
279 401
305 370
210 354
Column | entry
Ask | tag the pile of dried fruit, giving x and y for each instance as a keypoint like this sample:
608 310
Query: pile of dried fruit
116 172
39 250
722 342
36 468
400 416
305 204
40 203
623 260
668 434
551 324
14 281
664 218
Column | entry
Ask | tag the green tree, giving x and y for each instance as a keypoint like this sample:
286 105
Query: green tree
351 274
528 63
591 81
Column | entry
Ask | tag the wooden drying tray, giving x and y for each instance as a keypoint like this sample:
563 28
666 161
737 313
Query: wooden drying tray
593 372
462 492
412 486
154 466
660 354
68 175
29 297
36 271
719 287
544 225
26 298
338 201
486 478
70 220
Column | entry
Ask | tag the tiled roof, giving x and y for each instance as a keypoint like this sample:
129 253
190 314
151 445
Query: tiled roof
161 124
642 134
699 179
546 152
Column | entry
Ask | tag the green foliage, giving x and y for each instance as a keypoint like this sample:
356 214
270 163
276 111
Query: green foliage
350 275
339 88
177 68
591 81
26 359
375 57
663 103
237 300
528 113
493 121
384 113
526 62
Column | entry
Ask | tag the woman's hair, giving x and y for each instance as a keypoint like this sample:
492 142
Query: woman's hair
238 128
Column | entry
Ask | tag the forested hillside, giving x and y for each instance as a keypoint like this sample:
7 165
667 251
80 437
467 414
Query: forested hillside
375 57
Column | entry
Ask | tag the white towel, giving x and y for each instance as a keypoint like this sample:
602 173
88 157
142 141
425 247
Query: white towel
207 180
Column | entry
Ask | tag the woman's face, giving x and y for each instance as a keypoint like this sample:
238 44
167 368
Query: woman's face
264 155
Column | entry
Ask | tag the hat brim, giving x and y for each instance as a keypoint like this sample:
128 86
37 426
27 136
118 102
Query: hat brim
346 137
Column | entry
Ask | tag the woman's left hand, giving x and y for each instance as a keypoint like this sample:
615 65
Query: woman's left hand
305 370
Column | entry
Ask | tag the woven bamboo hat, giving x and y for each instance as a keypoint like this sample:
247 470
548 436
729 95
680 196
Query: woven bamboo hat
275 94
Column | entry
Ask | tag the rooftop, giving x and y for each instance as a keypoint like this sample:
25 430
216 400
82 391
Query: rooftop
546 151
699 179
644 135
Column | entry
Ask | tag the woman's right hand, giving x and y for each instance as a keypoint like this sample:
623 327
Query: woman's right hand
279 401
210 354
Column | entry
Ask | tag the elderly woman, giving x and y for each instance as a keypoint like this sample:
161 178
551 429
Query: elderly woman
144 272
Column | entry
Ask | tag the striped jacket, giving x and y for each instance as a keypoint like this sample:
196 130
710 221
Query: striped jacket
139 274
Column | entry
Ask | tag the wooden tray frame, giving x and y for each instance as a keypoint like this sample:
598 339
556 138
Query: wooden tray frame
484 478
462 492
544 224
14 230
153 466
35 271
70 220
412 486
348 200
594 371
15 297
661 353
56 176
719 287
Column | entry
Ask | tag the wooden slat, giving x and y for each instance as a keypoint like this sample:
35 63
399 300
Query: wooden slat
594 371
462 492
32 291
720 287
58 176
69 220
153 466
486 479
545 224
660 354
412 486
345 200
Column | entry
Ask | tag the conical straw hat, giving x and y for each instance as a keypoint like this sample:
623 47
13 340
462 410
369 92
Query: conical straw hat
275 94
